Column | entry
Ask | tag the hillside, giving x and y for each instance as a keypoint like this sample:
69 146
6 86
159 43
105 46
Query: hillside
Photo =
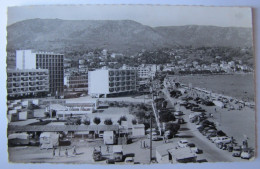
117 35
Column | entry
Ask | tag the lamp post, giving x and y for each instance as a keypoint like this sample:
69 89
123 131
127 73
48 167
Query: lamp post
151 153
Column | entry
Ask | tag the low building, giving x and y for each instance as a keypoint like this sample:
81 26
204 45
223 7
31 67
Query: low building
27 82
138 130
167 154
109 137
49 140
76 80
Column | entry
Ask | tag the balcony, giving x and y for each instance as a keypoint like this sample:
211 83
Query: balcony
16 79
111 79
31 89
32 78
111 89
32 84
111 84
111 73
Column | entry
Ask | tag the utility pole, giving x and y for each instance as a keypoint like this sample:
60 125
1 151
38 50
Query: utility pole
151 155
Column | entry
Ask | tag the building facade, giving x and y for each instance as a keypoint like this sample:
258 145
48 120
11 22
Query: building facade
53 62
27 82
76 80
111 81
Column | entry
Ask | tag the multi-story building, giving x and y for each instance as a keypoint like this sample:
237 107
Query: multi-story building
76 80
28 59
111 81
27 82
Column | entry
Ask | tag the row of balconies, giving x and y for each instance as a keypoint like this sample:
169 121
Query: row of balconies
9 85
121 78
122 72
27 89
121 89
121 84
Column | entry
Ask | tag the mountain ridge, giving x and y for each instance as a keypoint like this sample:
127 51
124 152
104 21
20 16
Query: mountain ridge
118 35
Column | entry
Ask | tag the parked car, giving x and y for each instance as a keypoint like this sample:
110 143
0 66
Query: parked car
180 121
208 131
182 143
198 109
155 137
129 160
178 113
213 139
193 148
237 151
223 140
246 153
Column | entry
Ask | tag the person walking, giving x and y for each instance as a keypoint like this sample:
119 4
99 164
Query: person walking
74 150
108 149
66 153
53 153
59 151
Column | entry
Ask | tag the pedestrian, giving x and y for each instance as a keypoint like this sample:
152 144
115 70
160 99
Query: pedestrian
144 145
53 152
66 153
74 150
100 148
59 151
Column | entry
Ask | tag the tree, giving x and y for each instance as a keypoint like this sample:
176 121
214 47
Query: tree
78 121
108 122
134 121
122 118
173 128
86 122
96 120
166 116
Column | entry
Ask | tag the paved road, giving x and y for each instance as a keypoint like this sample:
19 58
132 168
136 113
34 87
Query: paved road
188 131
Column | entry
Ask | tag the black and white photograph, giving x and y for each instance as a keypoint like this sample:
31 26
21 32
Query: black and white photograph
130 84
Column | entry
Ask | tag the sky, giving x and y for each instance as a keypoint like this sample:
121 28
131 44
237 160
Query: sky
150 15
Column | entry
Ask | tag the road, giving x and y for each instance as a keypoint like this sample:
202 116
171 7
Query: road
189 132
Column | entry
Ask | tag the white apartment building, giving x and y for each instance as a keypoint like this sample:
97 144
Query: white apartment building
111 81
27 82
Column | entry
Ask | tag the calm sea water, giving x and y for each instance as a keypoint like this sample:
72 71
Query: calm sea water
240 86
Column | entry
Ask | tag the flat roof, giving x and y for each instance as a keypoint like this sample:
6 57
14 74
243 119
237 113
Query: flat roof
58 128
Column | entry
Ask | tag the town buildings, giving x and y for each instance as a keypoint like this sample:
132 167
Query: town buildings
53 62
111 81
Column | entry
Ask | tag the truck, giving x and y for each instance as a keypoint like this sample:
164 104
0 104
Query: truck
118 153
97 155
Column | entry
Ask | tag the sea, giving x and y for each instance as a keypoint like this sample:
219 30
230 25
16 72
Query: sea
240 86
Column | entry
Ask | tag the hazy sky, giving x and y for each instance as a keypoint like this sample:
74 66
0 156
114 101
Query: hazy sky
145 14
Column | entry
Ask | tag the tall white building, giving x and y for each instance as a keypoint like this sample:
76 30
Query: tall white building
53 62
111 82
